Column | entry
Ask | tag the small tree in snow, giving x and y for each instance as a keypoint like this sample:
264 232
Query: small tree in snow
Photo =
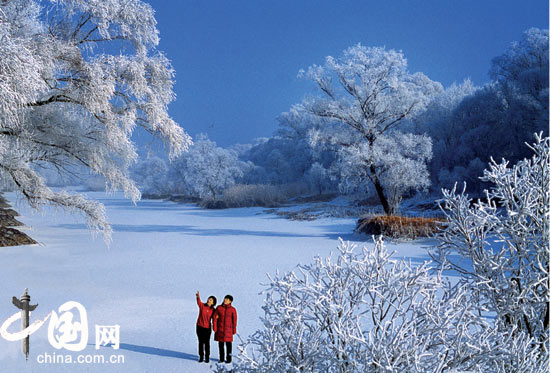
151 175
374 94
209 169
317 177
66 100
504 251
366 312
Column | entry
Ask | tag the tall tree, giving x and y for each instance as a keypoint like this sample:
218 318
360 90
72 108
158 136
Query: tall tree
373 95
75 80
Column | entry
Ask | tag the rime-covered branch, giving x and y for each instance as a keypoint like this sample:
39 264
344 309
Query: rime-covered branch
64 101
366 312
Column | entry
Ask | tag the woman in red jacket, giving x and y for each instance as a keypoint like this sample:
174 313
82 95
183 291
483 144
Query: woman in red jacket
225 326
204 326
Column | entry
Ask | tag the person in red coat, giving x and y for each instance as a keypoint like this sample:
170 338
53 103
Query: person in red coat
204 326
225 326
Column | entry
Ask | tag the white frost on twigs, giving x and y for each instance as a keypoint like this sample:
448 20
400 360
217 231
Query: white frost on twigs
65 102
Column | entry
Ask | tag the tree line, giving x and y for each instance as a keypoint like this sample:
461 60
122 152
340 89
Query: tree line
374 129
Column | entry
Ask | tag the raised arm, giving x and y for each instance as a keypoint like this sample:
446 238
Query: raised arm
199 303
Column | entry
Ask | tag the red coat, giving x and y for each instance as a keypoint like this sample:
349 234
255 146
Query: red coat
205 314
225 323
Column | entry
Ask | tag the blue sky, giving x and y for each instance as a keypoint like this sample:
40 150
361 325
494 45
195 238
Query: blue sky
236 62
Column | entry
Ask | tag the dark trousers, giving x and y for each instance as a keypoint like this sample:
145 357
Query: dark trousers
228 347
204 341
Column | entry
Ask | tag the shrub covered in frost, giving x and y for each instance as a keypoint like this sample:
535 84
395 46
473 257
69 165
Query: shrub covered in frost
368 312
504 251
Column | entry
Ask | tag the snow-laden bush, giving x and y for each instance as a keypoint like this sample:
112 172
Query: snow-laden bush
366 312
503 251
249 195
265 195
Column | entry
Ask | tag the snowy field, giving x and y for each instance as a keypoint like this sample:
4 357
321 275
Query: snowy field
161 254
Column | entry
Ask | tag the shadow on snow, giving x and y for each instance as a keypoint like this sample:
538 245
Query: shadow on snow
150 228
157 351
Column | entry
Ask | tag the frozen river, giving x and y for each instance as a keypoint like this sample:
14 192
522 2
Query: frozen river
145 282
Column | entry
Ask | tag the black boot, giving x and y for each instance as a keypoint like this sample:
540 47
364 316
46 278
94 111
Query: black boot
201 359
207 360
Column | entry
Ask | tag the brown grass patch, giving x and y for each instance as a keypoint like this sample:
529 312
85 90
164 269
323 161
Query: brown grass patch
13 237
10 236
400 226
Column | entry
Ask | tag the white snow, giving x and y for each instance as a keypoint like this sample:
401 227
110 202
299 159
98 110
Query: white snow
161 254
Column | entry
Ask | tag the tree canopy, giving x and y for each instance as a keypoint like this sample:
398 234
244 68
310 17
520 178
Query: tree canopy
373 95
76 78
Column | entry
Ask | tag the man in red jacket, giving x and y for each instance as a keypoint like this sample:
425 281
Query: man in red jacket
225 326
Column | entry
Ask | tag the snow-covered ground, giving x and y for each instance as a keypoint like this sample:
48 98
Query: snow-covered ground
162 252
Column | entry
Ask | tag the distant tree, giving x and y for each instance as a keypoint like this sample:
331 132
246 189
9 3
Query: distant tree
470 125
209 169
151 175
525 64
284 160
374 94
318 177
521 76
76 78
437 121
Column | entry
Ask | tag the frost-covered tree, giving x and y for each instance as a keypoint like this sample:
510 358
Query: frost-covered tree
440 110
151 175
76 78
207 169
283 160
318 177
525 64
400 161
503 243
437 121
470 125
368 93
367 312
521 76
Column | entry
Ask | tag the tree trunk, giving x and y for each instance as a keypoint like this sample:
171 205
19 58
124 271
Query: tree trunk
380 191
